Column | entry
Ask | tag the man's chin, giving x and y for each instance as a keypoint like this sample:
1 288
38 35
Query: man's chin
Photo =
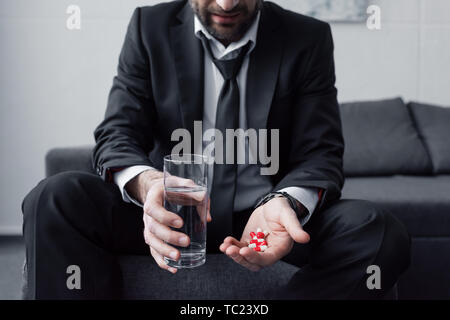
225 32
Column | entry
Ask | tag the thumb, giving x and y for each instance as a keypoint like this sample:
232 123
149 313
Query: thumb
290 222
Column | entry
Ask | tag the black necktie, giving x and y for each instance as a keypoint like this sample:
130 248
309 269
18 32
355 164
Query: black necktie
227 117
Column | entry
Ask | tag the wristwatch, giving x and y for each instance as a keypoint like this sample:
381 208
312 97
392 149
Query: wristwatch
296 205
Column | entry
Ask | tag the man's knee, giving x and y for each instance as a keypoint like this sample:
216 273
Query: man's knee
59 185
51 194
395 249
373 226
389 248
387 236
352 215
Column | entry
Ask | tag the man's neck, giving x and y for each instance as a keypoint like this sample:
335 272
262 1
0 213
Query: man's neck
226 43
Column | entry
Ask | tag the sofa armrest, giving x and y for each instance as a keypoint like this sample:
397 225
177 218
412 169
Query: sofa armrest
68 159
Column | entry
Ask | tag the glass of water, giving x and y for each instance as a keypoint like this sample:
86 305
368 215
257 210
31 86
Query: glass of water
186 194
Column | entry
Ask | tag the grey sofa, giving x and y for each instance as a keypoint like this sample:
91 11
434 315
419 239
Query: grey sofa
396 155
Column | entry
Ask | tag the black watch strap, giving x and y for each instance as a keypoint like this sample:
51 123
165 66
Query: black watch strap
301 210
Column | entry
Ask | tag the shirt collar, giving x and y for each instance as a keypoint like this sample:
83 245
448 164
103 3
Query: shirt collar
219 50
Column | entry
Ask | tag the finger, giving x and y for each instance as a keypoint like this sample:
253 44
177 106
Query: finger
154 196
224 246
163 216
263 259
165 233
233 253
290 222
201 210
162 248
174 181
153 206
186 198
229 241
159 259
235 242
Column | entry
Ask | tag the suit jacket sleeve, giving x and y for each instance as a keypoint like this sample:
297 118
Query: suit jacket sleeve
317 146
124 137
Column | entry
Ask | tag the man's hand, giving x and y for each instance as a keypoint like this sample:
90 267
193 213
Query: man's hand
148 188
277 217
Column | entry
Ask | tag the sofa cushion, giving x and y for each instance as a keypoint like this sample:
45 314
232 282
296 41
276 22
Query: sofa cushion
219 278
433 124
380 139
421 203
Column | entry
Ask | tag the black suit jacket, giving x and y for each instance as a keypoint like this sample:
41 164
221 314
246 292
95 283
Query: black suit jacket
159 88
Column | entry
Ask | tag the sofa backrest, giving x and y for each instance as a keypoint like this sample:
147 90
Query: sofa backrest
382 139
69 159
433 125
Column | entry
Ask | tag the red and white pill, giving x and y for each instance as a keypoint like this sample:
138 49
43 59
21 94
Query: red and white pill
258 242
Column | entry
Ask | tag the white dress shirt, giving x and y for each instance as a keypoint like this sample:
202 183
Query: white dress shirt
250 185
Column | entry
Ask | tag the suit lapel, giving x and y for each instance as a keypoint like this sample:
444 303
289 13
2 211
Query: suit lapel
263 71
188 57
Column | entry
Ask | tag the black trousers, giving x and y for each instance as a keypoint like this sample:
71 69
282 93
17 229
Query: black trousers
75 218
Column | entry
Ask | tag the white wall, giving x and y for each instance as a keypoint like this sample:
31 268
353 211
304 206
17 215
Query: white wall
409 56
54 82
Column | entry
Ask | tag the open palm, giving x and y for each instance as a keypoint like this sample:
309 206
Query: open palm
277 217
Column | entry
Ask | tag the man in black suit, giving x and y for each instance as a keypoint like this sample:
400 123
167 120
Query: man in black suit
231 64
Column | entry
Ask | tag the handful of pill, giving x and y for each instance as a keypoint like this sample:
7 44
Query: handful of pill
258 242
